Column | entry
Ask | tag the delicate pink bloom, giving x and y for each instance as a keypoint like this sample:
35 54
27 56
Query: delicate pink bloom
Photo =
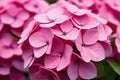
37 72
60 55
66 31
80 68
51 18
14 16
87 21
82 3
114 4
15 75
35 5
88 46
41 42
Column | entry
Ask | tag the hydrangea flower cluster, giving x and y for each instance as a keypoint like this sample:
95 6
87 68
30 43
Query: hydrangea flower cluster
61 41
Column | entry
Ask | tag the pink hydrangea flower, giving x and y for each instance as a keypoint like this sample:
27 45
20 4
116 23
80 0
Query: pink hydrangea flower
66 31
88 46
51 17
60 55
87 21
44 38
80 68
14 17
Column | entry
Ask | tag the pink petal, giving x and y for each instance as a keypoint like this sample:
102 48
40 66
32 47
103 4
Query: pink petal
51 61
90 36
38 52
104 32
86 56
54 13
37 40
17 23
23 15
85 22
78 41
65 60
57 47
7 19
72 71
6 39
5 70
61 19
47 25
66 26
87 70
42 18
73 34
108 49
6 53
27 56
97 52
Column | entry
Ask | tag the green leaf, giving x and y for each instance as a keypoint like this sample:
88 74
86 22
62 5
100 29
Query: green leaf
115 66
100 69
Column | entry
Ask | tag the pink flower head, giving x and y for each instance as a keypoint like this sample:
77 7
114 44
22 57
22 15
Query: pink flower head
87 21
80 68
88 46
41 41
14 16
114 4
51 18
35 5
60 55
82 3
66 31
37 72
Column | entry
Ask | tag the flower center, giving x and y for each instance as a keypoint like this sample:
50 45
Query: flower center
83 45
47 42
64 33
